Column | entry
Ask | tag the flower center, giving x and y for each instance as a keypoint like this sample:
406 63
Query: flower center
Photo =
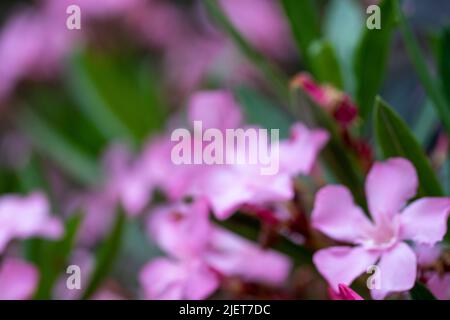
384 234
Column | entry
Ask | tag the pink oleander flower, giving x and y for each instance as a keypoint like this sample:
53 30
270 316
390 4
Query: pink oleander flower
344 293
202 254
181 230
18 279
25 217
232 255
381 240
228 186
30 47
262 23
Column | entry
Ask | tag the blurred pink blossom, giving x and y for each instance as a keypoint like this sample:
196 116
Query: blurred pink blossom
389 185
182 230
202 254
228 186
262 23
232 255
31 47
26 216
167 279
18 279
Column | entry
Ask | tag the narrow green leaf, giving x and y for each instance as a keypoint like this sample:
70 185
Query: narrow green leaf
51 257
304 21
372 57
106 255
420 292
324 63
444 63
276 77
117 94
344 23
430 85
52 144
396 140
425 124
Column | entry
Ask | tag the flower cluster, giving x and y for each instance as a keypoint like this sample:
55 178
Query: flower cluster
146 132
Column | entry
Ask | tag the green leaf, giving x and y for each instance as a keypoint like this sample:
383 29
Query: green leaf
324 63
344 23
425 124
106 255
396 140
117 94
259 110
432 87
272 73
51 143
420 292
444 63
372 57
304 21
51 257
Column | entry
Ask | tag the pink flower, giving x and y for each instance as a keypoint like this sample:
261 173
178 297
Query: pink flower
227 187
18 279
262 23
25 217
344 293
28 49
216 109
167 279
378 241
202 254
181 230
232 255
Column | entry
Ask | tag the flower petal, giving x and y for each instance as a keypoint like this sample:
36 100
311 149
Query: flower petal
299 153
216 109
440 286
342 265
181 230
232 255
18 279
166 279
336 215
389 185
397 270
425 220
